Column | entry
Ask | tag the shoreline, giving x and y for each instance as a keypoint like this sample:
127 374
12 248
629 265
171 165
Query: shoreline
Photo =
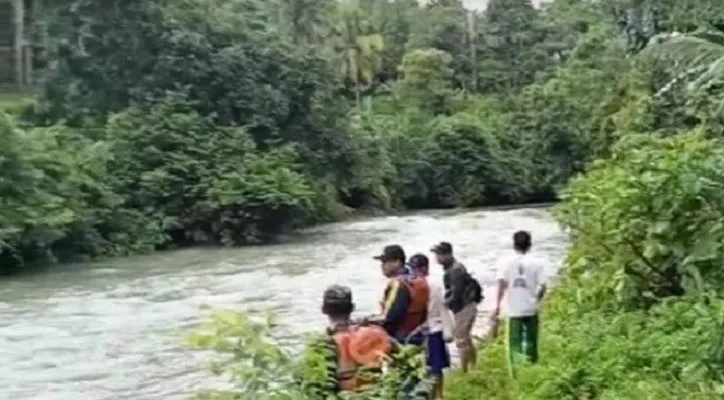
291 237
361 215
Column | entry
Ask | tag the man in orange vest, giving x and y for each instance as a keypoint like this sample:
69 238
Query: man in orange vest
404 304
354 347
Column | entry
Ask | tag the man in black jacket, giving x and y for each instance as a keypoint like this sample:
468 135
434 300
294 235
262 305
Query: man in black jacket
462 295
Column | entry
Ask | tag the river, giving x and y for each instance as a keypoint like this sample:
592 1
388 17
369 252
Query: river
115 330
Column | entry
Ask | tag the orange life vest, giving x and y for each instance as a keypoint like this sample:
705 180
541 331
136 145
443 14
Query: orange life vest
419 297
359 347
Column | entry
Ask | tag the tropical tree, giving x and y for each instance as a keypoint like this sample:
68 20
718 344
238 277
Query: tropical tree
690 72
355 47
302 21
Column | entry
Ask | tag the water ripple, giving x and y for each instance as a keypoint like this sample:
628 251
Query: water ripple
114 330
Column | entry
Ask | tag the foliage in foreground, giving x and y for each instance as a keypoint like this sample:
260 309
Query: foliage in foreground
639 310
260 368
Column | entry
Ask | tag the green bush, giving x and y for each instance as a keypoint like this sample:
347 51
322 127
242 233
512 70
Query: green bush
637 312
260 368
59 200
226 63
467 166
649 220
201 182
672 351
151 178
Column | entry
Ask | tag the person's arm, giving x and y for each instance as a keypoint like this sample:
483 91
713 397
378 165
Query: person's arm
448 325
395 307
543 279
502 287
447 292
542 292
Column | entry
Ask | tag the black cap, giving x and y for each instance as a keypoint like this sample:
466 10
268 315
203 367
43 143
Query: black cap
442 248
418 261
392 252
337 294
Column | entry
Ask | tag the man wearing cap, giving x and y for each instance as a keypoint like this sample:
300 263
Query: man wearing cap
348 348
439 326
462 295
404 304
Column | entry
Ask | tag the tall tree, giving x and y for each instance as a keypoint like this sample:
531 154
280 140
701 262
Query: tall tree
512 51
443 26
393 19
356 48
302 21
427 80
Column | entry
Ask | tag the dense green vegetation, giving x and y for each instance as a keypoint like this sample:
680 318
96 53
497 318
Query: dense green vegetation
261 369
638 311
161 124
623 96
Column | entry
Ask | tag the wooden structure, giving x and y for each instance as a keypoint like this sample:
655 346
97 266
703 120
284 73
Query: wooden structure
18 32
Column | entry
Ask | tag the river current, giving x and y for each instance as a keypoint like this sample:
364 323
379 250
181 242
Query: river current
115 330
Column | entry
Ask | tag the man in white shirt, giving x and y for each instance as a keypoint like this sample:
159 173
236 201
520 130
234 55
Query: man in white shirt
439 325
522 282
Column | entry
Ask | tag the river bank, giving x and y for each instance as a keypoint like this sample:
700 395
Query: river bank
115 330
350 217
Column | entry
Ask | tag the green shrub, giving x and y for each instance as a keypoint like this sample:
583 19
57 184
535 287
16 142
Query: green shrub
638 310
467 166
205 183
648 222
260 368
59 200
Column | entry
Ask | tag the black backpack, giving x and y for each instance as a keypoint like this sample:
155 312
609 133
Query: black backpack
475 288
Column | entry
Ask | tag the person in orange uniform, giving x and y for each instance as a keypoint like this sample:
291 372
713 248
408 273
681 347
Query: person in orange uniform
356 347
404 304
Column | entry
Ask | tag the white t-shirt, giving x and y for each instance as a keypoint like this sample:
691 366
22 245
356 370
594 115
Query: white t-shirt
524 275
438 316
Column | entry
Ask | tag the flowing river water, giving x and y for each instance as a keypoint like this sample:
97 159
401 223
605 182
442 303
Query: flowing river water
115 330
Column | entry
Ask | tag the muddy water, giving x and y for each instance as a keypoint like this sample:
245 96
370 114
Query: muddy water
114 330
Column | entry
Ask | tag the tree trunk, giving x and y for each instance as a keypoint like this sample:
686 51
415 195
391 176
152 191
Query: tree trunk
472 40
19 14
357 96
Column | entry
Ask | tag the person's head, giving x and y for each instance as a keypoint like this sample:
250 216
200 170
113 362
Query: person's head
337 302
419 265
443 253
393 260
522 241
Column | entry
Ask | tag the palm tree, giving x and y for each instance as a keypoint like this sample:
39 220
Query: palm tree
692 66
303 20
355 48
694 59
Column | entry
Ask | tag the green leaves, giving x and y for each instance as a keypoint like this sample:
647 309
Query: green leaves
211 180
654 208
57 198
426 81
260 368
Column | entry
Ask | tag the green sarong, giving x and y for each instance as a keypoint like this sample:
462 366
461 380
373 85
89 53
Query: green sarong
522 334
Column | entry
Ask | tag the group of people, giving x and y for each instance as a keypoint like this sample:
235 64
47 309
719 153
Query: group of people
415 311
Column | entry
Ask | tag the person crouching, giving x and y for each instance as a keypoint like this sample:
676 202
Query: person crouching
357 348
